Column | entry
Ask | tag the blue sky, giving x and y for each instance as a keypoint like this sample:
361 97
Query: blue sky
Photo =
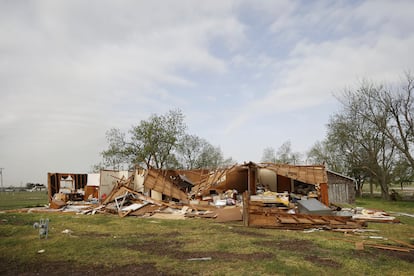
246 74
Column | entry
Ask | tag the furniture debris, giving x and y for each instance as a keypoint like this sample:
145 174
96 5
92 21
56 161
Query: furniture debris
374 216
312 206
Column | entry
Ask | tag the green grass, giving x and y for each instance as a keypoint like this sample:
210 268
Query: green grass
391 206
16 200
109 244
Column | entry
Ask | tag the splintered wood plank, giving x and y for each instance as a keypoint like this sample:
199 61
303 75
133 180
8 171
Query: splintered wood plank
318 220
261 221
388 247
305 221
228 214
359 245
290 219
144 210
335 222
403 243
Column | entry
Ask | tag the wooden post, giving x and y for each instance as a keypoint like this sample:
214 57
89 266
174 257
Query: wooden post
49 186
251 180
246 198
324 198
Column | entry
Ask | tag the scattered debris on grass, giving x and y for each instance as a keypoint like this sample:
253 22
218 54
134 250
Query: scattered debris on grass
261 195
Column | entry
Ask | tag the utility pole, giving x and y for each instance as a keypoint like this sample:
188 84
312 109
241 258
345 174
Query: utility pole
1 174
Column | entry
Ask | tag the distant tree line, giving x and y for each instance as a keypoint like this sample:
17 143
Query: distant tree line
161 142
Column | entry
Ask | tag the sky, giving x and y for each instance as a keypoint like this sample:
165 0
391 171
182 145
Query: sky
246 74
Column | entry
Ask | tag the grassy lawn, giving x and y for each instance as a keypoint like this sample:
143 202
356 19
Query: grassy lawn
390 206
15 200
109 244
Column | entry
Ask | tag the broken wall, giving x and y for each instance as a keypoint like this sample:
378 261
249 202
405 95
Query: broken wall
268 179
108 180
341 189
54 181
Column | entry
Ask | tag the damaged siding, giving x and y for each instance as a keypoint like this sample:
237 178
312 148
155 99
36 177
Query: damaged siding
159 181
341 188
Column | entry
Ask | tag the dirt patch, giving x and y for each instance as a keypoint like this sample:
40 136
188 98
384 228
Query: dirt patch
172 249
289 245
94 235
165 248
405 256
372 254
249 233
16 221
171 235
224 256
67 268
323 261
6 235
364 254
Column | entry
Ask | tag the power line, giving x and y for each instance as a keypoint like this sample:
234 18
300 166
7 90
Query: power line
1 174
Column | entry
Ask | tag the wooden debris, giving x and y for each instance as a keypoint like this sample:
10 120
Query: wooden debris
403 243
200 259
388 247
229 214
359 245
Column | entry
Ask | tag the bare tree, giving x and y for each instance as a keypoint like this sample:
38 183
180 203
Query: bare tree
114 156
269 155
197 153
329 154
284 154
367 149
392 112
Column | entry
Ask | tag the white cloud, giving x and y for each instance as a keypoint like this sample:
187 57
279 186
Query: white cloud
314 69
70 70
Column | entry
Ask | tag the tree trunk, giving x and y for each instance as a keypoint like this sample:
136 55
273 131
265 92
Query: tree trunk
359 185
358 191
371 189
385 193
384 188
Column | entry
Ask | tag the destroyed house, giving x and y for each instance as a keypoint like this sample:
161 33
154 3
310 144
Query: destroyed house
257 178
261 194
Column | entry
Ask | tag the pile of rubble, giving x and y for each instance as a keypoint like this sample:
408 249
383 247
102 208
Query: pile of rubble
125 201
240 192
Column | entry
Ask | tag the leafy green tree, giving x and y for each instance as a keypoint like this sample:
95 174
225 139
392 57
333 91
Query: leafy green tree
161 142
154 140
